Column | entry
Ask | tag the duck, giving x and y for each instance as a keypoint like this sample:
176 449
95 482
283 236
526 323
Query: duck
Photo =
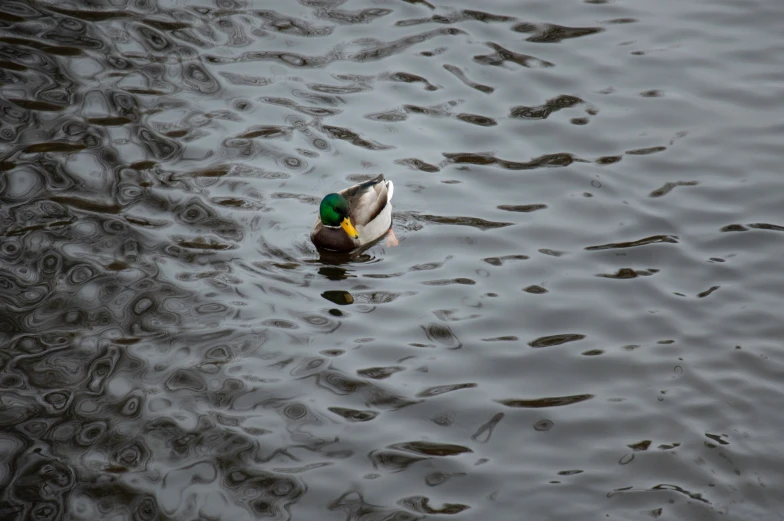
355 216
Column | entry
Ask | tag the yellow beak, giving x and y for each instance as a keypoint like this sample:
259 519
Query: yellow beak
349 228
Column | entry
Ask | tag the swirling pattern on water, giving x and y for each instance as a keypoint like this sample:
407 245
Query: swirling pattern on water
580 320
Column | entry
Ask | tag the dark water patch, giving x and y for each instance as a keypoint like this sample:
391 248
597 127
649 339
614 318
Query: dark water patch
55 50
540 403
307 199
36 105
543 425
429 448
204 243
61 147
427 266
405 77
380 297
116 121
11 66
555 340
718 438
389 116
276 22
420 2
593 352
345 17
263 493
707 292
435 479
10 18
152 39
499 261
382 50
460 75
522 208
380 373
353 504
87 205
198 79
446 282
640 446
244 79
148 92
435 52
553 33
289 59
502 55
608 160
622 21
339 90
645 151
543 111
304 109
655 239
668 187
546 161
268 131
418 164
234 202
442 334
165 25
422 504
627 273
353 138
734 228
486 430
147 223
476 119
185 380
473 222
354 415
659 488
89 15
442 389
457 17
437 111
767 226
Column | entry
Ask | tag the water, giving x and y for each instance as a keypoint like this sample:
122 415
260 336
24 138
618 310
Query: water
581 320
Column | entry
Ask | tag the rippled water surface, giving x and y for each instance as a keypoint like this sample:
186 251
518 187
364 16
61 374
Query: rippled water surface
581 319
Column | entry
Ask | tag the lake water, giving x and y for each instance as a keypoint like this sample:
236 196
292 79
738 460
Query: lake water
581 319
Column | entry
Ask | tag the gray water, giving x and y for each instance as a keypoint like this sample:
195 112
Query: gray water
581 319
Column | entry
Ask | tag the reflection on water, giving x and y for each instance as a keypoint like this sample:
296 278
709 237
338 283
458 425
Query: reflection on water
580 320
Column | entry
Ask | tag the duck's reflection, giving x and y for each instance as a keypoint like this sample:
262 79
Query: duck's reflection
334 272
336 265
339 297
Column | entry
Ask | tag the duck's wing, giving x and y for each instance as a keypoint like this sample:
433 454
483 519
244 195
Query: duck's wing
367 200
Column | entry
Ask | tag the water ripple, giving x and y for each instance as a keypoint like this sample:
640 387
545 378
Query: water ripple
175 348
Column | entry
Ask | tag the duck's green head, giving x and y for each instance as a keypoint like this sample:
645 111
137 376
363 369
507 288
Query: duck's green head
334 211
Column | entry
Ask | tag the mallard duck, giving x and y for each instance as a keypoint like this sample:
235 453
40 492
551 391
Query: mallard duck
355 216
